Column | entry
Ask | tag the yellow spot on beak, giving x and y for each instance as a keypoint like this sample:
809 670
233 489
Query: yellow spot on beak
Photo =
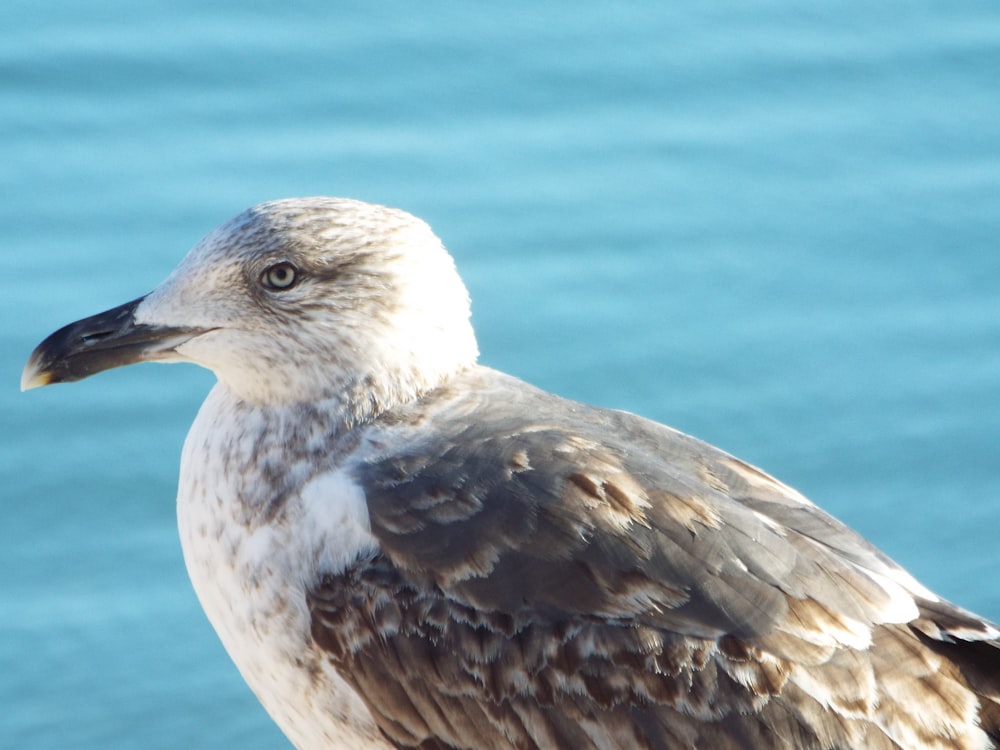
34 378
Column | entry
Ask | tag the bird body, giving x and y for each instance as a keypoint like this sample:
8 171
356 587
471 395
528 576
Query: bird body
400 547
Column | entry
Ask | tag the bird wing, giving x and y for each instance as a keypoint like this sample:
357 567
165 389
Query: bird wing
555 575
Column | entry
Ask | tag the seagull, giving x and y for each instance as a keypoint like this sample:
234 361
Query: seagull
402 548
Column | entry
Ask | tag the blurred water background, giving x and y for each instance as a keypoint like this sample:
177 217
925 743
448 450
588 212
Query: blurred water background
769 224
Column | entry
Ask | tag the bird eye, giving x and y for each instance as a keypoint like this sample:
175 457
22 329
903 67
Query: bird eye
280 276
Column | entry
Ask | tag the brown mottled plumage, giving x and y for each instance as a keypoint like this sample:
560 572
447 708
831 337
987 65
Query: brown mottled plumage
401 548
554 575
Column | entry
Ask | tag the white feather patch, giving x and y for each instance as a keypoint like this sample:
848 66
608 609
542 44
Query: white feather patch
335 522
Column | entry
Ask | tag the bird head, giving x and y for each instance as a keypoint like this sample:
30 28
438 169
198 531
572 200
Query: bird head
291 301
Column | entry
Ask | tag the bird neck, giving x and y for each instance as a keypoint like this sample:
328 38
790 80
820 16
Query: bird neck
340 405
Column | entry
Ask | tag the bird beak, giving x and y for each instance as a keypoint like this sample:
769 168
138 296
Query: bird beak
109 339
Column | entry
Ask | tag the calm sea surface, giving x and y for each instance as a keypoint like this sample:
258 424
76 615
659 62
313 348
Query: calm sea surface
771 226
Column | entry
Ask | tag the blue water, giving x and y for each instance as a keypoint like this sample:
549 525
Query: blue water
772 226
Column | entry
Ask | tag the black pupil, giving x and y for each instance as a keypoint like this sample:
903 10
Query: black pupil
281 275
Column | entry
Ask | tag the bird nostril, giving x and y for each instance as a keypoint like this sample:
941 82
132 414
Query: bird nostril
94 337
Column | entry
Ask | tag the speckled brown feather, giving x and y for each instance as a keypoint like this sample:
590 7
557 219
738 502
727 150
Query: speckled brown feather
557 576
